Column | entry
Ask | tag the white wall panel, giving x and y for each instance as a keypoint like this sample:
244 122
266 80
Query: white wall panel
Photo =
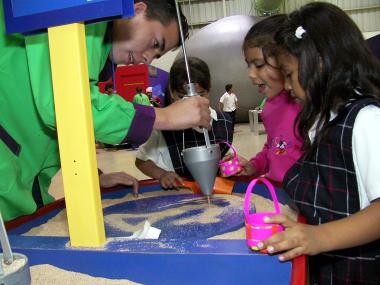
365 13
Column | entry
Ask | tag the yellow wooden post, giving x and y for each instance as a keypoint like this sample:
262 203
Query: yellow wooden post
76 134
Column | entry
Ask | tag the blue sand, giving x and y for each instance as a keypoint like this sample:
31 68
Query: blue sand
193 260
230 219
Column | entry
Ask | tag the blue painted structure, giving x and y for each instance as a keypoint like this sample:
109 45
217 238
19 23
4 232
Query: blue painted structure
163 261
31 16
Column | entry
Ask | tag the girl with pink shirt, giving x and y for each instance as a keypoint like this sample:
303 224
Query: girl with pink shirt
283 147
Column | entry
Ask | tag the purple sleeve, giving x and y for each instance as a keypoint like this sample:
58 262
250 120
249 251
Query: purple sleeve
260 161
142 125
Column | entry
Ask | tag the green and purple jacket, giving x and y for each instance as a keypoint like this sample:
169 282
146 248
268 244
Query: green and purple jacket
28 139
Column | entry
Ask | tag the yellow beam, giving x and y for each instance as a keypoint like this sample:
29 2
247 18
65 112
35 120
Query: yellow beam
76 134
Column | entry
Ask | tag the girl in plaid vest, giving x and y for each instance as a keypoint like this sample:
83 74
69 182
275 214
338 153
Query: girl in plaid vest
335 184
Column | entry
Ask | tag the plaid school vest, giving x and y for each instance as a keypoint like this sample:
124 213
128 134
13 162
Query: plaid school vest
221 131
325 188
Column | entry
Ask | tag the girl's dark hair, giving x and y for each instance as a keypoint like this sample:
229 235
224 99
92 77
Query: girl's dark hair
335 65
199 73
261 35
164 11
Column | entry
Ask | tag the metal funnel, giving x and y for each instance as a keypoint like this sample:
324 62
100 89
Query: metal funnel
202 162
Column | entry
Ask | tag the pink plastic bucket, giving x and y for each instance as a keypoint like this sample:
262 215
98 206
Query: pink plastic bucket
256 229
230 167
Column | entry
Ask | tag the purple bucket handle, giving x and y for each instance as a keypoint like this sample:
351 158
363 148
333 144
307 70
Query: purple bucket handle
248 194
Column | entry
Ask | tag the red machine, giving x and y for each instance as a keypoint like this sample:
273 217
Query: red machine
128 78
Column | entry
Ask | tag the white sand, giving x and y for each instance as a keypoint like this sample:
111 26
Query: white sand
46 274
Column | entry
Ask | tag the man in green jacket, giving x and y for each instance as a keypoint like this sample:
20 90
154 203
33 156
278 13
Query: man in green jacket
28 138
141 98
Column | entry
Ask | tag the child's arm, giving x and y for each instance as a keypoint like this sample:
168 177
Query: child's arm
257 165
108 180
168 179
247 167
260 160
299 239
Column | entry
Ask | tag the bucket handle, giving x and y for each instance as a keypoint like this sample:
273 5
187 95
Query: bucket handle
271 190
231 147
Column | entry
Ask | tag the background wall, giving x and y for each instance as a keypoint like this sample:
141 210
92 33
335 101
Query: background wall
219 45
200 13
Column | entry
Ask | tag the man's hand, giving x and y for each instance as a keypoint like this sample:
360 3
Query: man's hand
108 180
184 114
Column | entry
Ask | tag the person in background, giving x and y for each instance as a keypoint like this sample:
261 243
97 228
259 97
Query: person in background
160 157
283 146
28 134
154 101
329 68
229 103
149 92
141 98
109 89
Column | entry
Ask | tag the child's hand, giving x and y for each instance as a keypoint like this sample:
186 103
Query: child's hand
228 157
297 239
108 180
170 180
247 168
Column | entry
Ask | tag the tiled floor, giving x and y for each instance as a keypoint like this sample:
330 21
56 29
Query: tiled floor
244 141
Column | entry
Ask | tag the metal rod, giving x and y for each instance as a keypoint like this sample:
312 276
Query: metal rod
207 138
182 40
191 88
7 251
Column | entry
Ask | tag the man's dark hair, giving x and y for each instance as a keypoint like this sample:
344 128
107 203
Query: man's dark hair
164 11
228 87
